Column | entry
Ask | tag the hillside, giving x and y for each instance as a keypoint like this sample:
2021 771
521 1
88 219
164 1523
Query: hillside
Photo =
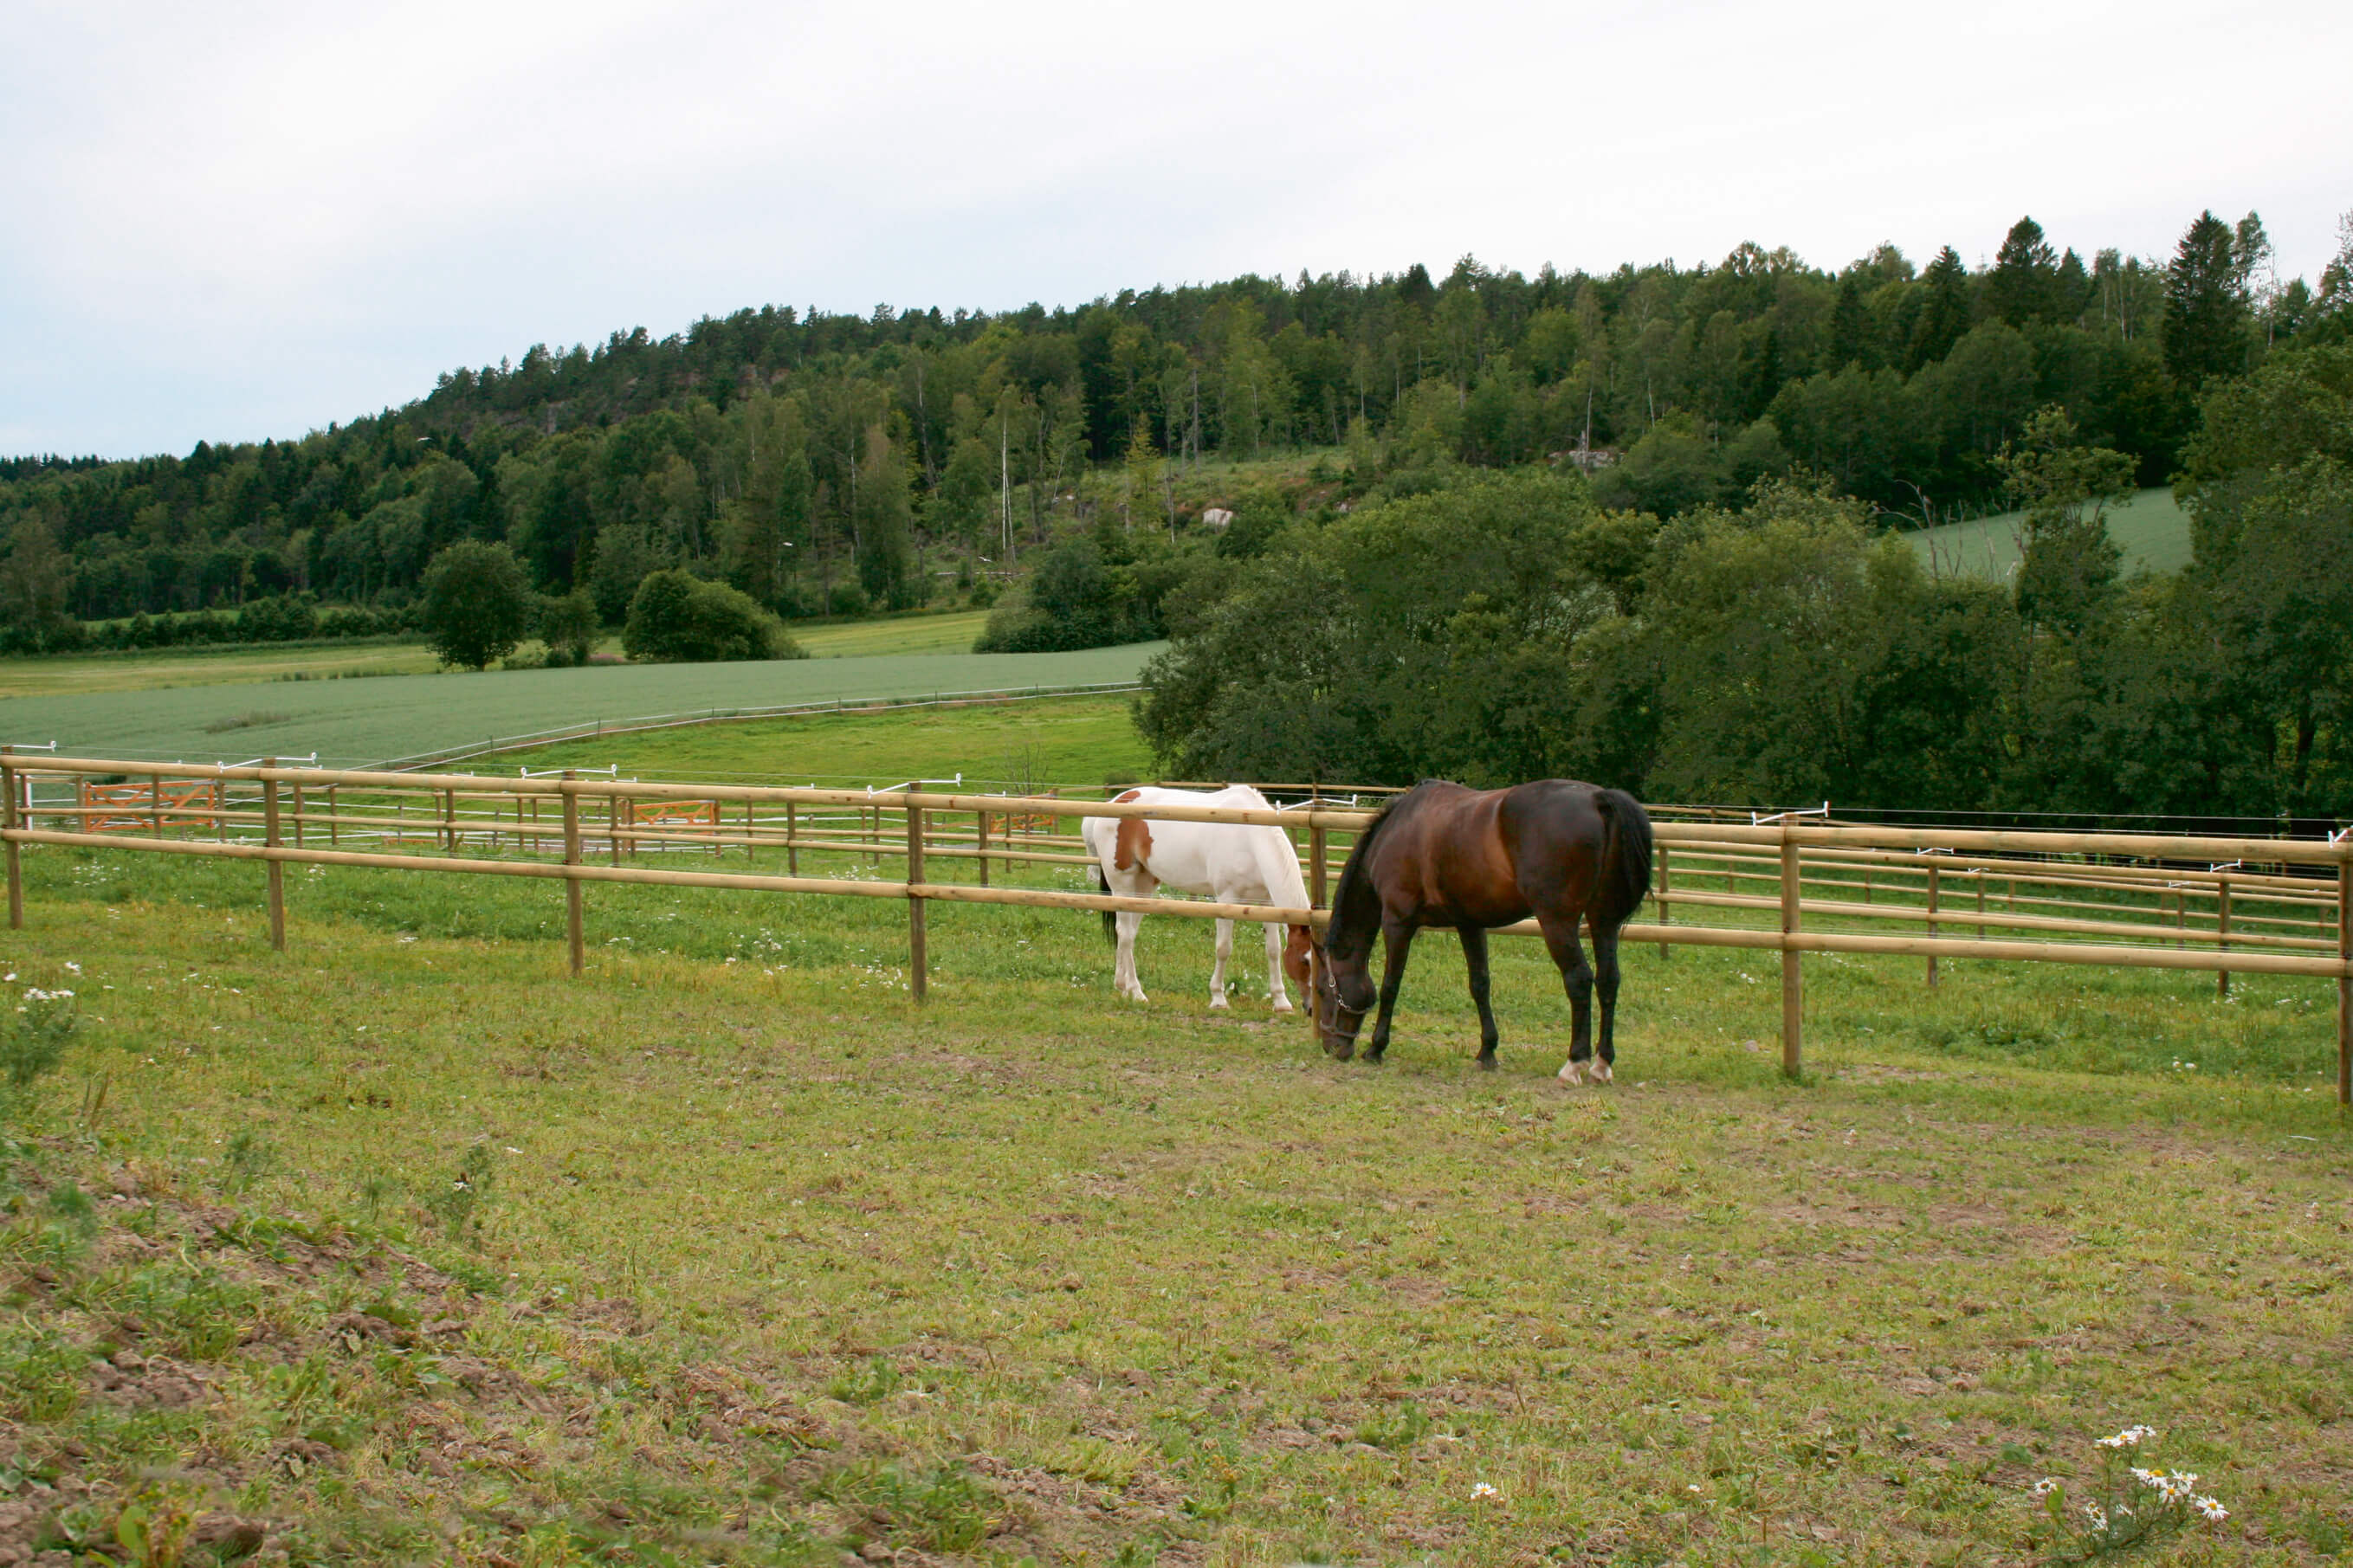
2151 529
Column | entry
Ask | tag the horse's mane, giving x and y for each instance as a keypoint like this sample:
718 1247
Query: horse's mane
1350 930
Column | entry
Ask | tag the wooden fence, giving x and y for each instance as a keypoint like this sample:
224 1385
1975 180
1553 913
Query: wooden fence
1803 884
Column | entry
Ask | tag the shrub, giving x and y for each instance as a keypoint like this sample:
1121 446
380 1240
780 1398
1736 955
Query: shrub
477 605
679 617
568 627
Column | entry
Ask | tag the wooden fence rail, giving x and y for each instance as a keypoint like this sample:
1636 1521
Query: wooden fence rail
2107 898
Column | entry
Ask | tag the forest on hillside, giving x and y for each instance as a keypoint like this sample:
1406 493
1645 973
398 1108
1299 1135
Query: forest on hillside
829 463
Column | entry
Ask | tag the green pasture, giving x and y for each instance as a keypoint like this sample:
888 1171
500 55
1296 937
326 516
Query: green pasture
2151 529
357 721
157 670
403 1245
1053 740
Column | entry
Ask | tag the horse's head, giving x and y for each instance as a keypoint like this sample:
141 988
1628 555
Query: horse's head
1298 967
1340 993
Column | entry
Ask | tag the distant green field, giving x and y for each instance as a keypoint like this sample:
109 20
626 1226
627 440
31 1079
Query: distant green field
951 633
157 668
1060 741
352 722
2151 529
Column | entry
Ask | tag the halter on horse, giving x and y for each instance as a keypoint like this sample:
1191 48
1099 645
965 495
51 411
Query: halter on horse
1441 855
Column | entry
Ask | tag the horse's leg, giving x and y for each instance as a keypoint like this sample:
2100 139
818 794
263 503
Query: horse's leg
1560 937
1276 992
1124 979
1605 975
1475 957
1397 942
1225 951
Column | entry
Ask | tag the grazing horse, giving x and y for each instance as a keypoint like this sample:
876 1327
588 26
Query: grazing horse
1440 854
1229 861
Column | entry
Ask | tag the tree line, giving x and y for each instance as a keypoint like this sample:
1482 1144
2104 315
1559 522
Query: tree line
1783 650
827 463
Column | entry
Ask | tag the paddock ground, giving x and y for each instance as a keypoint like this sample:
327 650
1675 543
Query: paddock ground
755 1261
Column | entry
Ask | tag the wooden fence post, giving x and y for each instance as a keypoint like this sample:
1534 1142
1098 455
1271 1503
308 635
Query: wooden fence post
1317 851
449 820
16 871
1792 980
792 846
156 805
751 832
334 828
613 826
1932 918
276 871
982 817
298 815
571 912
2223 935
915 953
2345 981
1666 905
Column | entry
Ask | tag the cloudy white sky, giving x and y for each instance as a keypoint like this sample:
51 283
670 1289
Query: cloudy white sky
233 221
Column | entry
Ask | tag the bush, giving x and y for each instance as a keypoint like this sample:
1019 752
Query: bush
568 626
677 616
477 605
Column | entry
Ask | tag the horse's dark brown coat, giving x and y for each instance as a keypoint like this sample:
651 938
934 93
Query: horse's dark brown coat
1442 854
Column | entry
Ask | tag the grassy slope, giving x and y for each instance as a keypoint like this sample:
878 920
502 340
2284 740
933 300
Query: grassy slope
165 669
2151 529
355 721
162 669
771 1263
1068 741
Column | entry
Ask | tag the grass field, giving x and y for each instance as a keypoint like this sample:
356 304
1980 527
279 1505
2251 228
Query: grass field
401 1246
1060 741
2152 530
950 633
360 722
162 668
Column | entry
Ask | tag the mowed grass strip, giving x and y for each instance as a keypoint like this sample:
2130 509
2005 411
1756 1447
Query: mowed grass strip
356 722
1092 1279
1077 741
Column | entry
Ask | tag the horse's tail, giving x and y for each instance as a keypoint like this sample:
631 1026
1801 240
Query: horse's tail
1102 885
1625 855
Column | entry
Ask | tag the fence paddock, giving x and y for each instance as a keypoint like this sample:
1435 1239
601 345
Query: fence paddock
2087 895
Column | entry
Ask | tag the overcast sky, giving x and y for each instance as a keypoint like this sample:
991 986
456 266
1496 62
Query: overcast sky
233 221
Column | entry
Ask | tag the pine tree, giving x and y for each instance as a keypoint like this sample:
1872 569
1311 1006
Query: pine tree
1946 316
2205 305
2024 270
1850 327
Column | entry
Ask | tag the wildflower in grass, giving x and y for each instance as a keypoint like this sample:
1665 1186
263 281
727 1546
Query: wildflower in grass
2098 1516
2046 1485
1481 1491
2214 1512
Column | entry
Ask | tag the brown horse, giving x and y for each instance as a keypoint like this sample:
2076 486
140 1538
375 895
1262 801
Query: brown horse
1440 854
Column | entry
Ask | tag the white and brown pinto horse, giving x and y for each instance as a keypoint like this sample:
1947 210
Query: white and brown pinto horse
1230 862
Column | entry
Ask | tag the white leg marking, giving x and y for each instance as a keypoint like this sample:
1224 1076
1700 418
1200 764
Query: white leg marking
1218 975
1276 992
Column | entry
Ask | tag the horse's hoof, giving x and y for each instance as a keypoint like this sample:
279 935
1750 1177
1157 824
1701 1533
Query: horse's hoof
1601 1071
1572 1072
1487 1064
1282 1008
